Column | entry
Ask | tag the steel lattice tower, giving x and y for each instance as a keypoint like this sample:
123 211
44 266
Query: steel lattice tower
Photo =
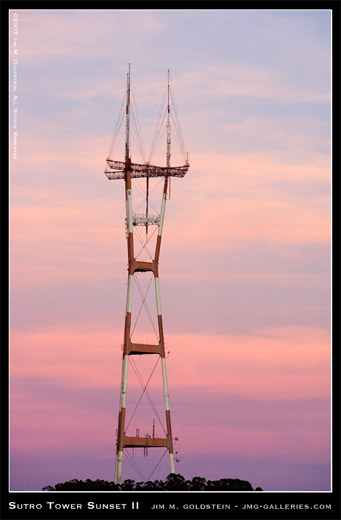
127 171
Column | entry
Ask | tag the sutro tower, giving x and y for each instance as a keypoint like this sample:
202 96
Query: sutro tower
128 171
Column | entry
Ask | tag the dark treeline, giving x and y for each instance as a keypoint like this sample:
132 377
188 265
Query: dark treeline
174 482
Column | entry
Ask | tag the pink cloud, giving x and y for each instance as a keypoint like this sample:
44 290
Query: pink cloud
77 357
82 34
291 362
278 363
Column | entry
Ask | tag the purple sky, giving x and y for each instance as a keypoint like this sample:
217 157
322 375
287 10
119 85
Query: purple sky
245 260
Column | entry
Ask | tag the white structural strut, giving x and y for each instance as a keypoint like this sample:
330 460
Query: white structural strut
123 400
130 292
162 214
166 396
171 463
129 212
158 299
165 384
118 471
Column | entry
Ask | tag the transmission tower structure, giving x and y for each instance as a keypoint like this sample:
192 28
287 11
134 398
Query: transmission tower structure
128 171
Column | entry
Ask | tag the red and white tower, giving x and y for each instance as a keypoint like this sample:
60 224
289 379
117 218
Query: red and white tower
131 172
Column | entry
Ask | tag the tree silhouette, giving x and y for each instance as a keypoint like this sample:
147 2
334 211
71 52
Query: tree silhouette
128 485
176 482
228 484
173 482
198 484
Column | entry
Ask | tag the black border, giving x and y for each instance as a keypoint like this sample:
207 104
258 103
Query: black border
198 499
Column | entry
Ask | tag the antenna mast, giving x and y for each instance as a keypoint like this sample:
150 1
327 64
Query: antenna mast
127 115
168 129
168 155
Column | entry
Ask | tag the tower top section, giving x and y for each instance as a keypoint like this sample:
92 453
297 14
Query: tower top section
118 169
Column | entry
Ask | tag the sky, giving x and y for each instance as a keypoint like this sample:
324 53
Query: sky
245 259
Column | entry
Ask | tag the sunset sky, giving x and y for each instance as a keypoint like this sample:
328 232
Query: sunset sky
245 259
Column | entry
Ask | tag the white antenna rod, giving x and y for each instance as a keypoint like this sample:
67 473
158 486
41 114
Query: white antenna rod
168 130
127 115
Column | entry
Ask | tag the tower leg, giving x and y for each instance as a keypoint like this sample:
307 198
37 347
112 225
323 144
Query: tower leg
168 419
121 420
118 470
171 461
164 375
